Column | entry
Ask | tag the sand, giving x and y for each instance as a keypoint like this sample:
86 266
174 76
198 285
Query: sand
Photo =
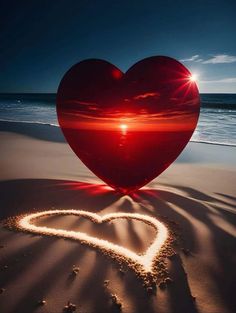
38 171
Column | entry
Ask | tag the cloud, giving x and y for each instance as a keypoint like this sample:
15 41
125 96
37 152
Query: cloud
199 60
193 58
223 80
215 59
147 95
221 58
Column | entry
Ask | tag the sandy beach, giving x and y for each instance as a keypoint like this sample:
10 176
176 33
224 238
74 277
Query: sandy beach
39 171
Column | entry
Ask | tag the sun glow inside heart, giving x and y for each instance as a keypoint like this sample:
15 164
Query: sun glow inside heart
123 128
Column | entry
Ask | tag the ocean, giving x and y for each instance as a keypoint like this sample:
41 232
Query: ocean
216 125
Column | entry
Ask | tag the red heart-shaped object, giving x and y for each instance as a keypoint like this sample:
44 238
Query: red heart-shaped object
128 128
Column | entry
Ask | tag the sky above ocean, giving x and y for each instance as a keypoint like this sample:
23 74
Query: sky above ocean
41 40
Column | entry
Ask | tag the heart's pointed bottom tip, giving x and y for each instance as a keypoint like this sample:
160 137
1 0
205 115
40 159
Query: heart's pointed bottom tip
125 191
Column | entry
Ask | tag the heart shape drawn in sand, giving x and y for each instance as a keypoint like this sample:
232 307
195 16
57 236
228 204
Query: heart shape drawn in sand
140 263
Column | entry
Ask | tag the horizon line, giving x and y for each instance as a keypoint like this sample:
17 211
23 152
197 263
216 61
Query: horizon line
54 93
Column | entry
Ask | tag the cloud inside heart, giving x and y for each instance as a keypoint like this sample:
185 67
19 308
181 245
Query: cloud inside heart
142 264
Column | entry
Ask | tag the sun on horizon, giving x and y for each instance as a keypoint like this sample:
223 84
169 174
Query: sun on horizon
123 128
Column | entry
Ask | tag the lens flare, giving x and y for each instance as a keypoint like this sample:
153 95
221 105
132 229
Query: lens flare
193 78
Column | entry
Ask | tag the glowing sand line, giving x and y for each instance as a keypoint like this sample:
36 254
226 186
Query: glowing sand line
146 260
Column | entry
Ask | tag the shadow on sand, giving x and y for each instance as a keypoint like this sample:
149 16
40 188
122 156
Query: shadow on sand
32 268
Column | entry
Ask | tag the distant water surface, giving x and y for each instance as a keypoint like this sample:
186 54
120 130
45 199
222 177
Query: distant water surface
217 123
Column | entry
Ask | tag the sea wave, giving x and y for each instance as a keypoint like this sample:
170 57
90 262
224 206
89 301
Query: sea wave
28 122
215 105
214 143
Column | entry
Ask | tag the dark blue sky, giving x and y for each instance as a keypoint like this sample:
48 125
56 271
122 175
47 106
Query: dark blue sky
40 40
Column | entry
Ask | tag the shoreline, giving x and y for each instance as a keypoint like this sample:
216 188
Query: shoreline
222 156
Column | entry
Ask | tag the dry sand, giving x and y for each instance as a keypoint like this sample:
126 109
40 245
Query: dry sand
38 171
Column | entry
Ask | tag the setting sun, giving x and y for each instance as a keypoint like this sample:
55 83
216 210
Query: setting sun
123 128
